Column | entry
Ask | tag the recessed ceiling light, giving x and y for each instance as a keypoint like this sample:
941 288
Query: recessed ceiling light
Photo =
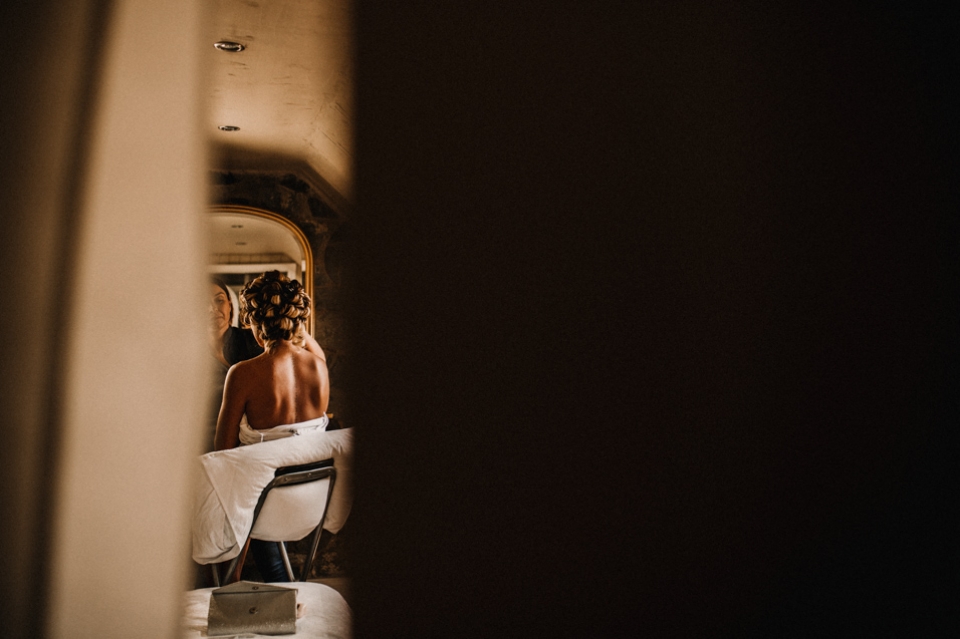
228 127
230 47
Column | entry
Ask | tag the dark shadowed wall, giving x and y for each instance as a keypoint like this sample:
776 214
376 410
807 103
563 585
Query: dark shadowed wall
656 320
48 61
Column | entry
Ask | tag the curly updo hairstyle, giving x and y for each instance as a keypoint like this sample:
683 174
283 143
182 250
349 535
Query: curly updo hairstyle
275 306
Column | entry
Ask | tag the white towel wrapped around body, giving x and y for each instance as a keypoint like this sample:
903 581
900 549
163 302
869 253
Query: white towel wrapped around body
229 484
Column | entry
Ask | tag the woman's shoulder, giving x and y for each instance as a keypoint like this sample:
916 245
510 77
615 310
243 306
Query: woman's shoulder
245 368
310 358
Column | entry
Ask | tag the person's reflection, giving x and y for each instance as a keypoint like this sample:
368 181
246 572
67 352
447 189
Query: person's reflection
231 344
228 344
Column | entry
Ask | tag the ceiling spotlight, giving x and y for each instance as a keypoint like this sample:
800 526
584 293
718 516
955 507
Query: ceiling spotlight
228 127
229 47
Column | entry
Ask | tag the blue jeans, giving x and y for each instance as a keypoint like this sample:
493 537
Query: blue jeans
269 561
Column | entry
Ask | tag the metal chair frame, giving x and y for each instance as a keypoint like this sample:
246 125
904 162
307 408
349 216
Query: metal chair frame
287 476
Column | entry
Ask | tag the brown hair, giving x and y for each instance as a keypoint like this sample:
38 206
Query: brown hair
275 306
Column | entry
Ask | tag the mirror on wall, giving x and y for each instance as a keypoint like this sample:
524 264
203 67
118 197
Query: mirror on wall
245 242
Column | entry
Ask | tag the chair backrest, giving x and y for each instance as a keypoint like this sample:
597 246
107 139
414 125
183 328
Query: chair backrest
295 503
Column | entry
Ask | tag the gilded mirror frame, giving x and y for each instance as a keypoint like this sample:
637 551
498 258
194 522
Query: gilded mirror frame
307 262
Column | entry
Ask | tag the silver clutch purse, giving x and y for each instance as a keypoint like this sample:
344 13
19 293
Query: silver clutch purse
248 607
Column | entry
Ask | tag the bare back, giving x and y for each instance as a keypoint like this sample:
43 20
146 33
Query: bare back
284 385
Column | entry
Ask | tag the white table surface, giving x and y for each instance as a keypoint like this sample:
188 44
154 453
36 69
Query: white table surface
326 616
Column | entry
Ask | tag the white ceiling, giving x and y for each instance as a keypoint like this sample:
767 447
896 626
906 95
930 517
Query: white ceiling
237 235
290 91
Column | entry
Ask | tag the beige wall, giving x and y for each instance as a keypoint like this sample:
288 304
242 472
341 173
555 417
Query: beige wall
135 381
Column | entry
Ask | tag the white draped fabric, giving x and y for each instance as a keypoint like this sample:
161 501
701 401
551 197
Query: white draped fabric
229 483
250 435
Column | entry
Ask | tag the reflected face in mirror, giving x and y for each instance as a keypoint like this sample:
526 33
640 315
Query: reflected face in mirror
221 310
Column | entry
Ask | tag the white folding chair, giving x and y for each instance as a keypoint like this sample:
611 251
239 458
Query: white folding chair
292 505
